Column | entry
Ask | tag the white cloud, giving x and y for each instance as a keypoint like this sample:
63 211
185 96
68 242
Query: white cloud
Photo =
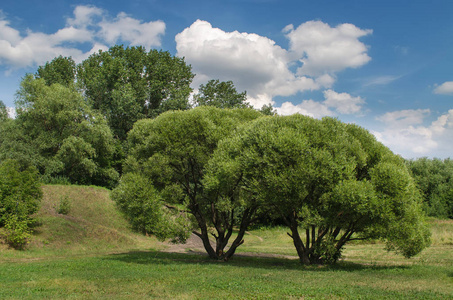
444 88
323 49
259 66
253 62
343 102
127 29
85 16
405 133
307 107
7 33
11 112
404 118
90 25
334 104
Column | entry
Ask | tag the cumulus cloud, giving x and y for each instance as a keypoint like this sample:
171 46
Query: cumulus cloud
90 25
406 134
334 104
344 103
323 49
254 63
261 67
445 88
307 107
125 28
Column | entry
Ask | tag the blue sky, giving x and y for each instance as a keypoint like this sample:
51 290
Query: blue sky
385 65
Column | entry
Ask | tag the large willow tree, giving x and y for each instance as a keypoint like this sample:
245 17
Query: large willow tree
164 179
330 182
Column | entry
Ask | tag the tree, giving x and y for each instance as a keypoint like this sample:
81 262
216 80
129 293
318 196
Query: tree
20 195
333 180
3 112
268 110
66 136
128 84
221 94
60 70
20 191
434 178
172 152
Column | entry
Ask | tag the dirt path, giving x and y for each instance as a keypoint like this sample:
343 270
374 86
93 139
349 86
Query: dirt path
195 245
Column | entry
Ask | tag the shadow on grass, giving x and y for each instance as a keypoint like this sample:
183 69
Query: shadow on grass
153 257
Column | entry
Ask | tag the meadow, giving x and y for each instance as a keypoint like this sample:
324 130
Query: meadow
90 253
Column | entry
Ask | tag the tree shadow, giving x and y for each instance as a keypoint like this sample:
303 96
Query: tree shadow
153 257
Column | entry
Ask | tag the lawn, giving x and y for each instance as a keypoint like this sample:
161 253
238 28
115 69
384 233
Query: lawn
95 256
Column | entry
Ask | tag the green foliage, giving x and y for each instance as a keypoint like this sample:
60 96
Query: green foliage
64 207
20 195
61 70
333 180
172 152
128 84
144 208
20 191
434 178
60 134
3 112
268 110
221 94
17 233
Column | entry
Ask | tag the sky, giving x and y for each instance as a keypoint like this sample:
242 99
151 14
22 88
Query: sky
384 65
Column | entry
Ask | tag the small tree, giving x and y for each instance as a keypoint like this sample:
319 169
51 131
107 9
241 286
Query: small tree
20 195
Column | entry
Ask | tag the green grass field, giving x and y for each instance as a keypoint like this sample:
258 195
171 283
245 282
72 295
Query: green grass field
91 254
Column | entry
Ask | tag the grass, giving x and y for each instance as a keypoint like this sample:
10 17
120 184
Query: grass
91 254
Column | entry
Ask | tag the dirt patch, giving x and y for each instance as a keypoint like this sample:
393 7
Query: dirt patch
195 245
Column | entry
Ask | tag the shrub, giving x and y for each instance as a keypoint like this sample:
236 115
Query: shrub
17 233
64 206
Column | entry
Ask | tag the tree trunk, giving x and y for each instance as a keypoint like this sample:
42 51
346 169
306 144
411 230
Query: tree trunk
204 233
302 252
245 221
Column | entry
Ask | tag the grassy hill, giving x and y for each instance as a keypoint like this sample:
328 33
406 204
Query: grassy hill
92 224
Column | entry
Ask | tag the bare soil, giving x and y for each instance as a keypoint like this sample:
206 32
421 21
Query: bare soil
195 245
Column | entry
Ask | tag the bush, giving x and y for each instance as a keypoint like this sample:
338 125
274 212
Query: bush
18 233
64 206
20 195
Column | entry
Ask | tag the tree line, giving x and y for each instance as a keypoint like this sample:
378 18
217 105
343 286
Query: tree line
124 119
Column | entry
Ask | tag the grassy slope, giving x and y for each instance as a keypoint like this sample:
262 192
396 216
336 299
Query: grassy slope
93 225
91 254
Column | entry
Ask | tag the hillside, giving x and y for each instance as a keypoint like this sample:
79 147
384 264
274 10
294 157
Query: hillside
92 224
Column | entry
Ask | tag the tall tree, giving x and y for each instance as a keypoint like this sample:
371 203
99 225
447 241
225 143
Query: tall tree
60 70
172 152
332 180
128 84
69 138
